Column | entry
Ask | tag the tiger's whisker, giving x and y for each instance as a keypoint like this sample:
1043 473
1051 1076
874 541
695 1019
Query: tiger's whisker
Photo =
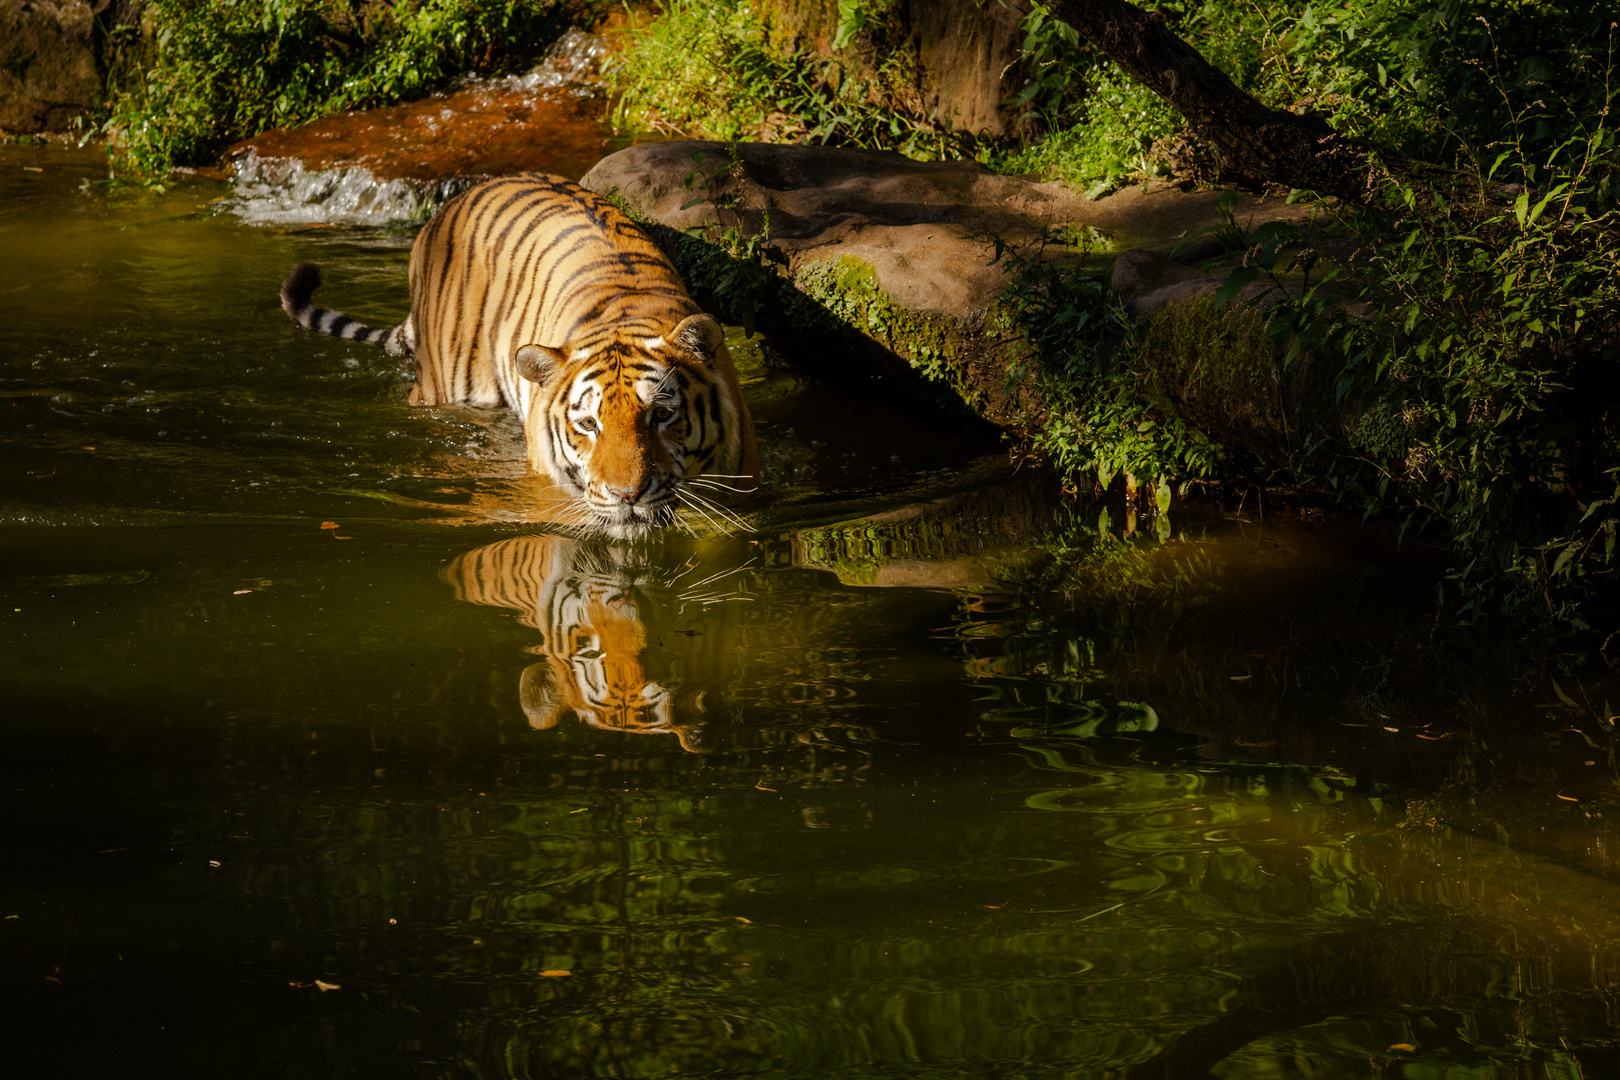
723 526
721 511
684 496
724 573
703 481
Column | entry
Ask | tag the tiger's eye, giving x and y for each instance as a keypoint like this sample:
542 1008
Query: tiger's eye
662 414
586 424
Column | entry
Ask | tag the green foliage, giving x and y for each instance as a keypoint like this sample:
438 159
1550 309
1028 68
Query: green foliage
1485 357
1422 79
708 70
1094 124
222 70
1080 359
1109 143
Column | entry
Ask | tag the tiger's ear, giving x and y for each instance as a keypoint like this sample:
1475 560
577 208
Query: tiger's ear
699 334
537 693
537 362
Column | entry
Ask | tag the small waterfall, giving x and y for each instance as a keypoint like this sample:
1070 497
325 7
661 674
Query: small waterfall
281 191
573 64
281 188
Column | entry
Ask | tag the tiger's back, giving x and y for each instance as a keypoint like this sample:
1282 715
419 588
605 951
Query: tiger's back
529 259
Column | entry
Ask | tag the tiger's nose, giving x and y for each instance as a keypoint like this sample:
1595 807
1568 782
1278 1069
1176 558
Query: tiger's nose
630 497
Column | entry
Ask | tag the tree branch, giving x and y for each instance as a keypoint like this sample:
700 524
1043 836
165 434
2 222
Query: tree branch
1253 145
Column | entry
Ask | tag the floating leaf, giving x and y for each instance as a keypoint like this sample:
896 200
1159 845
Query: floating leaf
329 524
555 973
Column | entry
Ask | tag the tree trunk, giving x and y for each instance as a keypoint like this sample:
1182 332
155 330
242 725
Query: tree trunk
1253 145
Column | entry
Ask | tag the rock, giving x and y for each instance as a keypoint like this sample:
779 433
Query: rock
968 55
1140 274
549 120
48 68
892 262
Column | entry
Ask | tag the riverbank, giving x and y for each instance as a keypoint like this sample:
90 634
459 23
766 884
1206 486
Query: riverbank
1347 353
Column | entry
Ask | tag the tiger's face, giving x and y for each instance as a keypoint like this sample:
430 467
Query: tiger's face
602 646
622 426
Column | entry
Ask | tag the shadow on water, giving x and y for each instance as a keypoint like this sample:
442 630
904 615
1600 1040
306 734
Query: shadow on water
316 761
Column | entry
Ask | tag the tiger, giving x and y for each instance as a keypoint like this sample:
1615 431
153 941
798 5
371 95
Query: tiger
533 292
594 607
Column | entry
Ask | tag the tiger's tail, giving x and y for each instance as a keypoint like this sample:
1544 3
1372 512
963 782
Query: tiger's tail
295 300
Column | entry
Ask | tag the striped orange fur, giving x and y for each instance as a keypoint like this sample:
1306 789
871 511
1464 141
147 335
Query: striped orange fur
592 605
531 292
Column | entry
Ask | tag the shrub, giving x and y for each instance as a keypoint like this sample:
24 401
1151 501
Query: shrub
1490 345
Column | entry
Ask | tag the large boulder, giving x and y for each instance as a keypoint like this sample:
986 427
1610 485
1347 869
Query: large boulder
890 265
49 64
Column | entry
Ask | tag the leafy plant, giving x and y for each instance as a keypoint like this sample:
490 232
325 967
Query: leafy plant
1420 79
1487 342
1080 348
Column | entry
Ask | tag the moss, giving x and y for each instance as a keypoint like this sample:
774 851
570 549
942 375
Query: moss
847 289
1224 375
833 307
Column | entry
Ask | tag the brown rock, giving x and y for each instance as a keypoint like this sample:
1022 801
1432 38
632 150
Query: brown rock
548 121
901 254
926 227
48 68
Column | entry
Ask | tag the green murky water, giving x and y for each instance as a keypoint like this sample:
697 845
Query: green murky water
290 801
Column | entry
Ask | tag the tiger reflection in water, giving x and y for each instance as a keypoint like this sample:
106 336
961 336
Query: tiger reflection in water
605 615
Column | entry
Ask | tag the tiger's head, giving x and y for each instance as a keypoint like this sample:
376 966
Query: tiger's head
626 425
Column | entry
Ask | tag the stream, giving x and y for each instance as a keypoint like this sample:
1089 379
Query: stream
352 772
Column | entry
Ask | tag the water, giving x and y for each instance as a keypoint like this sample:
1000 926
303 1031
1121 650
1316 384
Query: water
288 800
